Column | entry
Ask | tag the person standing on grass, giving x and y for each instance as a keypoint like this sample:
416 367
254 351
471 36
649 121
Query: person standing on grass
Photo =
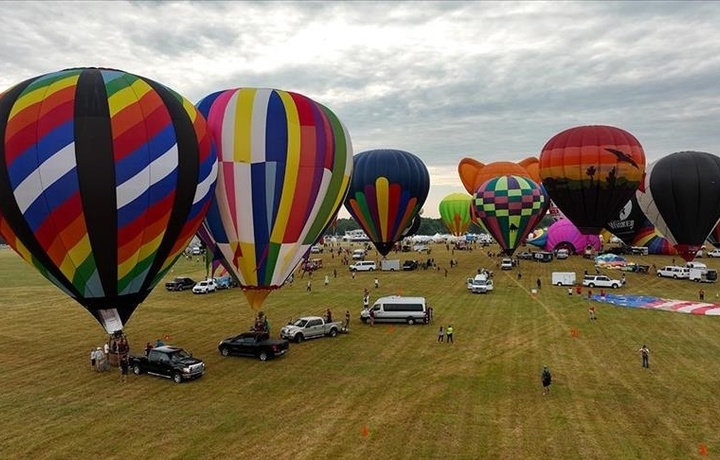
449 332
377 283
124 367
93 359
645 353
591 312
546 378
347 319
441 334
327 280
539 283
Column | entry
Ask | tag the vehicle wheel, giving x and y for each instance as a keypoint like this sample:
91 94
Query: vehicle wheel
591 285
299 338
225 351
263 356
615 286
137 370
559 284
659 275
333 332
365 320
410 321
675 276
372 269
177 378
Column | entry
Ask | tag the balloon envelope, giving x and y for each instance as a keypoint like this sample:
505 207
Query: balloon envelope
564 234
509 207
681 197
105 177
455 212
590 172
388 190
284 169
628 222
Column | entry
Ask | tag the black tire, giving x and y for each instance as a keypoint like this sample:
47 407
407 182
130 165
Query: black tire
225 351
137 370
410 321
333 333
177 377
675 276
366 320
615 286
559 284
299 338
659 275
263 356
372 269
591 285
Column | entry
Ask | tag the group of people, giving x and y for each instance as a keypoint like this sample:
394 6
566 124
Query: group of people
116 345
447 332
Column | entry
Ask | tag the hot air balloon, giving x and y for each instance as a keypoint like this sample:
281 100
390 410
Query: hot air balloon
105 177
681 197
564 235
509 207
714 237
455 212
474 173
626 223
647 236
285 163
388 189
591 172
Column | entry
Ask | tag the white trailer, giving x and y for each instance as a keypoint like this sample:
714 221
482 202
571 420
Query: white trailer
703 275
563 278
390 265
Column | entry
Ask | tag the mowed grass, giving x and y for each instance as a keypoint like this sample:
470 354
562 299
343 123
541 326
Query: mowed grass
378 392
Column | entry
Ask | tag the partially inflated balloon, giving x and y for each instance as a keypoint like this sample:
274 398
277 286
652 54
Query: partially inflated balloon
455 212
105 177
285 166
388 190
681 197
509 207
591 172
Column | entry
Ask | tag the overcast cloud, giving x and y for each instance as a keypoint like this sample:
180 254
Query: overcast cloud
443 80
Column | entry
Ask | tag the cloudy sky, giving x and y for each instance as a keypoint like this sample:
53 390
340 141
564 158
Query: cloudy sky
443 80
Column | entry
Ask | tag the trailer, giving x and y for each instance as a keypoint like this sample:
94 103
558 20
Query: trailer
563 278
390 265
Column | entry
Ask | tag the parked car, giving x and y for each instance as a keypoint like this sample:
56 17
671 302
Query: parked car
714 253
506 264
673 271
196 251
410 265
363 266
224 282
421 248
525 255
316 249
169 362
562 254
180 283
203 287
258 344
592 281
310 327
359 254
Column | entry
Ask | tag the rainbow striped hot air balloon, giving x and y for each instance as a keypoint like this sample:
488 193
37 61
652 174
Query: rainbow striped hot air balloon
455 212
388 190
285 166
509 207
105 177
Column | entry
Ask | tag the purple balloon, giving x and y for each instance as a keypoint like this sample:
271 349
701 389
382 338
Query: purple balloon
563 234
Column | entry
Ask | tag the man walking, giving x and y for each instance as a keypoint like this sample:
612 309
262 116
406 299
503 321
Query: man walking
645 353
546 378
449 333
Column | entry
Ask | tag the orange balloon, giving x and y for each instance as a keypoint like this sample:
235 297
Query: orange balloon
474 173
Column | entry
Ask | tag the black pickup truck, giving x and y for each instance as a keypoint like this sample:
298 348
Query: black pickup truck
257 344
169 362
180 284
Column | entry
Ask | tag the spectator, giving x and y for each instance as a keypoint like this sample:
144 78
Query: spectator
328 316
124 367
645 353
93 359
539 283
449 333
441 334
309 287
591 312
546 378
148 347
327 280
347 319
377 283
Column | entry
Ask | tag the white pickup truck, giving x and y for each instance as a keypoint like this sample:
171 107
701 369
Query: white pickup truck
310 327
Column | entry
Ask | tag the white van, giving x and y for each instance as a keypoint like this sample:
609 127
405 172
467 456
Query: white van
358 254
563 278
397 309
363 266
673 271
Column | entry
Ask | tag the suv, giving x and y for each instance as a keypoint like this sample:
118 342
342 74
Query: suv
179 284
714 253
562 254
600 281
203 287
363 266
506 264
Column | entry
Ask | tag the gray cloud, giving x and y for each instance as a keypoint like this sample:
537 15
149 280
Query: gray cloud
444 80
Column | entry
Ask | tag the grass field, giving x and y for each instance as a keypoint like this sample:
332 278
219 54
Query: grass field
376 393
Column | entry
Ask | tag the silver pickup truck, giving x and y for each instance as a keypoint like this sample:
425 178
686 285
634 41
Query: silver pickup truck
310 327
